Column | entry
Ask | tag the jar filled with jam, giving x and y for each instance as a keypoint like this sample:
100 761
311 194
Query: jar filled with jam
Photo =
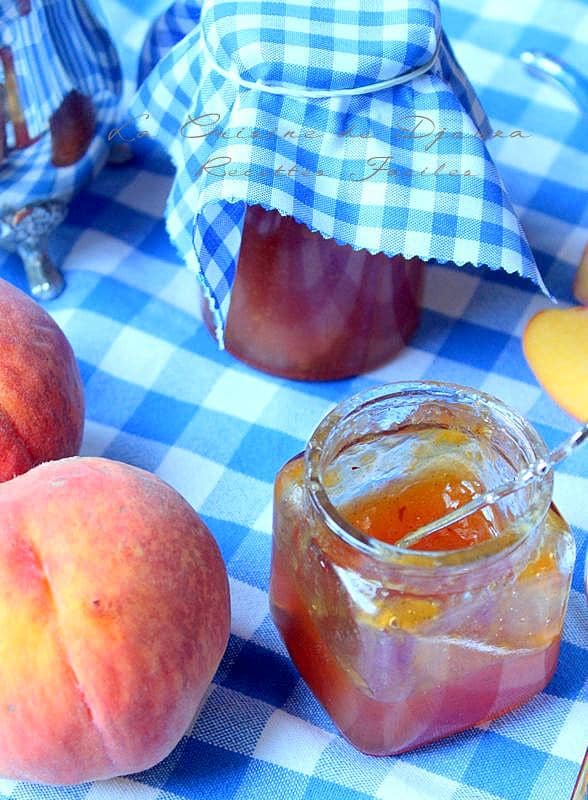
403 646
311 189
307 308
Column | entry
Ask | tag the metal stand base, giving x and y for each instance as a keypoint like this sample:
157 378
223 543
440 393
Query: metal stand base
27 232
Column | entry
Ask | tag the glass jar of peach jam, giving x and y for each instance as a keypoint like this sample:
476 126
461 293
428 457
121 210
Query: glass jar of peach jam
307 308
405 646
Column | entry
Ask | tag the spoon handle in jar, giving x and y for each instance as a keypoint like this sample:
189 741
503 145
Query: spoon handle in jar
581 788
526 476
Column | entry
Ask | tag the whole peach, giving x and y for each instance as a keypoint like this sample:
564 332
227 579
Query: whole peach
114 615
41 394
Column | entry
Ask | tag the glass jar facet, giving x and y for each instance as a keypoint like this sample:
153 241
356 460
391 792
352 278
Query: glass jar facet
403 647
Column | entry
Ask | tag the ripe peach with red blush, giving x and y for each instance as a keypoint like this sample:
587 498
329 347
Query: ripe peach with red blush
114 615
41 393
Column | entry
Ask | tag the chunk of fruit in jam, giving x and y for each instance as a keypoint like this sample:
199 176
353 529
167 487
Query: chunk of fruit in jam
396 510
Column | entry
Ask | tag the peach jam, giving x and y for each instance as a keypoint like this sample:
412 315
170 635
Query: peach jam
307 308
405 646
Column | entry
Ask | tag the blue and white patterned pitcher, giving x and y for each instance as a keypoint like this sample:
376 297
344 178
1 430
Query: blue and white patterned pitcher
60 86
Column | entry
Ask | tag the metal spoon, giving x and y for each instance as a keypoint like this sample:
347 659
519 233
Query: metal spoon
549 68
581 788
523 478
546 67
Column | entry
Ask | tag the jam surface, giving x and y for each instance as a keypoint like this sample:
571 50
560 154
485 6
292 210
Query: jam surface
395 511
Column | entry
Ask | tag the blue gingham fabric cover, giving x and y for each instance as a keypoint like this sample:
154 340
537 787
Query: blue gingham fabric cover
160 395
59 46
369 170
129 23
167 30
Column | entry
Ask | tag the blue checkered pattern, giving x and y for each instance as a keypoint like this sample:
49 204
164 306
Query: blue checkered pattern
47 68
170 28
162 396
131 23
370 170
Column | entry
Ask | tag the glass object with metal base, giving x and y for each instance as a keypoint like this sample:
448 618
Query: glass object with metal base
60 86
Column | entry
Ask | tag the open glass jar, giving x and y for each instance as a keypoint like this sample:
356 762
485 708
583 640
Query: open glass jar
307 308
403 647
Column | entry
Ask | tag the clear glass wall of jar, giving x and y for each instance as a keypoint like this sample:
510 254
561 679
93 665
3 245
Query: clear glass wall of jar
403 647
307 308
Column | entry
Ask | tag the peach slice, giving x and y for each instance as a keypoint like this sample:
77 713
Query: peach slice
555 343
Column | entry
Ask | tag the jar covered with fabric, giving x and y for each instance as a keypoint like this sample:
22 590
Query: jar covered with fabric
323 155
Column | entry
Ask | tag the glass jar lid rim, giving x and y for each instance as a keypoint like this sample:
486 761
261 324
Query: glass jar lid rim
335 420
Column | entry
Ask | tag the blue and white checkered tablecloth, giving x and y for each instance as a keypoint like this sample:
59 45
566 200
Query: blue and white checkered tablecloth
160 395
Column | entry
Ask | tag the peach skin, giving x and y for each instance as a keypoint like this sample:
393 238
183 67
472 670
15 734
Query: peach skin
114 615
41 393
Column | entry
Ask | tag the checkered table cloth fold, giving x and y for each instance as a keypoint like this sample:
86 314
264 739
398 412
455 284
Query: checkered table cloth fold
162 396
402 169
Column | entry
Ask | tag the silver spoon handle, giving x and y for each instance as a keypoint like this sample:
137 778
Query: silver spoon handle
546 67
529 474
581 788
